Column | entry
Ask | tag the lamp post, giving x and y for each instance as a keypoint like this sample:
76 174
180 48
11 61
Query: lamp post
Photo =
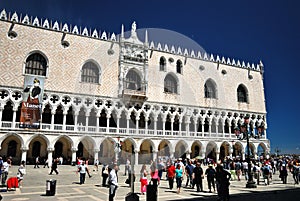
244 130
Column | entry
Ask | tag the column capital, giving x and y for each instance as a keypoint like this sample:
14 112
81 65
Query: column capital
24 149
74 149
51 149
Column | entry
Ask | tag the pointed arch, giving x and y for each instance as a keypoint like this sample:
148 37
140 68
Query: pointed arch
210 89
242 94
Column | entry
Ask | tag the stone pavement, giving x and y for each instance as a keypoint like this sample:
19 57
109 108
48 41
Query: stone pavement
68 189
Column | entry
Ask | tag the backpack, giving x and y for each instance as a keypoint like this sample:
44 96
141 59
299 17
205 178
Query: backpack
266 171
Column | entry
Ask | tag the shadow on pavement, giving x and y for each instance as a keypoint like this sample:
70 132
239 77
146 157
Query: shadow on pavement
276 195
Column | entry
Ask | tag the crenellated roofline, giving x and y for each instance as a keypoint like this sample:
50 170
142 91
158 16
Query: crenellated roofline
103 35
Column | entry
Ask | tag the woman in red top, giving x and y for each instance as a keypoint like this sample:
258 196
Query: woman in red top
171 175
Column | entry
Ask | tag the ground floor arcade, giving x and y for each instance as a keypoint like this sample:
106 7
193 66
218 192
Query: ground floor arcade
27 146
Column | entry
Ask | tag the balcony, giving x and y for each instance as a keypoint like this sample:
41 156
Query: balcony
134 91
121 131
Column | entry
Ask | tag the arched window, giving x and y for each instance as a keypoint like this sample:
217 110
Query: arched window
170 84
162 64
210 90
242 94
90 73
36 64
133 81
179 66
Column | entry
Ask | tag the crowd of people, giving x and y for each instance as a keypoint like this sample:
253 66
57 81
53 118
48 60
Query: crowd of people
188 173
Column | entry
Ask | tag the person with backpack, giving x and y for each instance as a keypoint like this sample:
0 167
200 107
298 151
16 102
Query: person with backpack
266 174
210 174
296 173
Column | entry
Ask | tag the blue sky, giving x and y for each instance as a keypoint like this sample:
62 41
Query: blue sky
249 30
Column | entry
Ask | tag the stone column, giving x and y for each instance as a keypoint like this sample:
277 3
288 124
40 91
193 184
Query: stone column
14 117
118 123
202 126
187 127
1 110
171 155
53 111
172 125
136 157
180 128
24 154
217 156
76 120
97 121
96 151
86 122
146 125
74 150
107 122
65 112
188 154
164 126
209 128
50 157
154 155
155 126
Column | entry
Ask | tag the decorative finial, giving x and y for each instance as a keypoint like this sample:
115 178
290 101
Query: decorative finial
122 31
146 37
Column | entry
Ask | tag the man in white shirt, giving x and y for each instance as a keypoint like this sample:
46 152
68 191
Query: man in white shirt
82 169
113 181
5 168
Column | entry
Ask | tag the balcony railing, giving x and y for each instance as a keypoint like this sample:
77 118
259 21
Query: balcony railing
121 131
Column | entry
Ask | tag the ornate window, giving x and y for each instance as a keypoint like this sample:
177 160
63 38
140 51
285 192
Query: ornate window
36 64
179 66
162 64
90 73
210 90
170 84
242 95
133 81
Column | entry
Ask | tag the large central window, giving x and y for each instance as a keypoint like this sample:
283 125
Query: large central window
133 81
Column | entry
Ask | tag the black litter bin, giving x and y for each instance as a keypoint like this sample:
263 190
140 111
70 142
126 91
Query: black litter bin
151 194
132 197
50 187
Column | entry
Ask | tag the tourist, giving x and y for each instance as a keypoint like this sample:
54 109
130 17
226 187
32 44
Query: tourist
5 169
21 173
189 173
198 177
143 179
96 164
54 167
283 173
238 169
171 174
210 174
296 172
104 174
82 169
222 180
46 163
161 168
266 173
113 181
179 177
127 165
37 162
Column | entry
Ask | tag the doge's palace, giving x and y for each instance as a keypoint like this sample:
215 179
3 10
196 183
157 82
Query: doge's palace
114 96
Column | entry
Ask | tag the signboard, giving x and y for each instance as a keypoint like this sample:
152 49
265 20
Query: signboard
31 110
